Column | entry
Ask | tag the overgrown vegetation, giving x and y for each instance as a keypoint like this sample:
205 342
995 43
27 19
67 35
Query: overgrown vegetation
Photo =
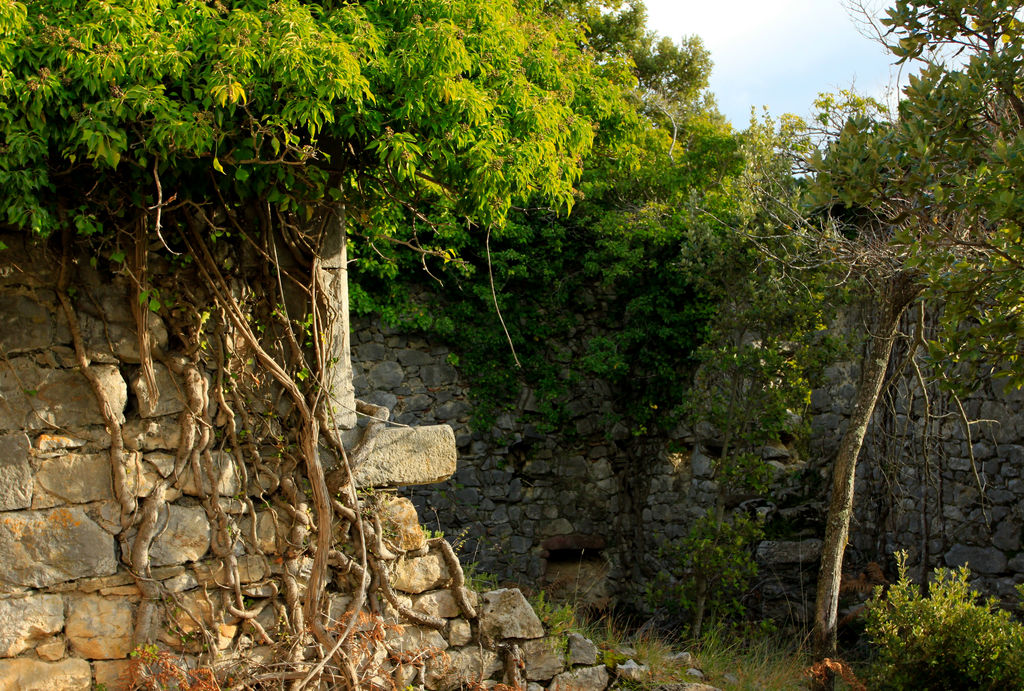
950 638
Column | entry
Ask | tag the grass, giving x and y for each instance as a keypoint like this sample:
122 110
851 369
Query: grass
730 660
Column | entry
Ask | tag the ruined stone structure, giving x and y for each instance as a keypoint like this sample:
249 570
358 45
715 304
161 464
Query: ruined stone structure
73 617
584 512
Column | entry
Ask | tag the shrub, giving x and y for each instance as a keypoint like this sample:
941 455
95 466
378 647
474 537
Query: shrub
949 639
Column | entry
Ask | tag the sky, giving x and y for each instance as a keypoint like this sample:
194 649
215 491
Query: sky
777 53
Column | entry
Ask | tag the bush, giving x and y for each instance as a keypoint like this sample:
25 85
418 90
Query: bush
948 639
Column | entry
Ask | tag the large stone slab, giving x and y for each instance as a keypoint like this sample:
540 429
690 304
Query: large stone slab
461 668
34 397
419 574
544 658
224 474
24 324
169 398
27 674
582 679
977 559
789 552
73 479
409 456
186 537
505 613
41 548
25 621
15 472
100 628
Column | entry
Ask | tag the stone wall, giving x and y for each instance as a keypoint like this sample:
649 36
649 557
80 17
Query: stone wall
583 510
73 616
927 487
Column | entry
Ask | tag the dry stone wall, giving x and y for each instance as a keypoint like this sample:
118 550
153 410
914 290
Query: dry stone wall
928 487
582 511
71 612
585 509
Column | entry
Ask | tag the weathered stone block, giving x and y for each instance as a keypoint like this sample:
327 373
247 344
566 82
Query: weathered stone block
34 397
186 537
439 603
419 574
385 375
156 434
401 520
100 336
52 649
461 668
113 674
505 613
581 650
15 472
544 658
26 674
40 548
73 479
224 474
409 456
27 620
459 632
166 400
977 559
251 568
419 640
99 628
583 679
789 552
25 324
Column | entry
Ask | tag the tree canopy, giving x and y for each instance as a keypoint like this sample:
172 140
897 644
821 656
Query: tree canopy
115 108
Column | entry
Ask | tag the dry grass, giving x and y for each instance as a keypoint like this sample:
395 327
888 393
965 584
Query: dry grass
730 661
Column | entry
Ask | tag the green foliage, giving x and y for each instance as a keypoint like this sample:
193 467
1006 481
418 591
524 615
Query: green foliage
947 640
558 619
941 173
433 110
722 551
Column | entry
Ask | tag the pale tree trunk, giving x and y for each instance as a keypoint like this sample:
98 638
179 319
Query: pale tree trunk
333 270
897 294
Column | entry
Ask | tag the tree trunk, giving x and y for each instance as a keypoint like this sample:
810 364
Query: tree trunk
897 295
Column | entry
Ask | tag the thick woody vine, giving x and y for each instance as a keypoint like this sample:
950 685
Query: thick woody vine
253 388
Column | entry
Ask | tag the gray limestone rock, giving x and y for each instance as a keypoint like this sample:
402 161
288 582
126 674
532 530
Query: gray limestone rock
409 456
34 397
15 472
228 481
582 679
100 628
24 324
41 548
385 375
505 613
73 479
185 537
1007 535
461 667
581 650
544 658
438 375
789 552
978 559
419 574
28 620
167 400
